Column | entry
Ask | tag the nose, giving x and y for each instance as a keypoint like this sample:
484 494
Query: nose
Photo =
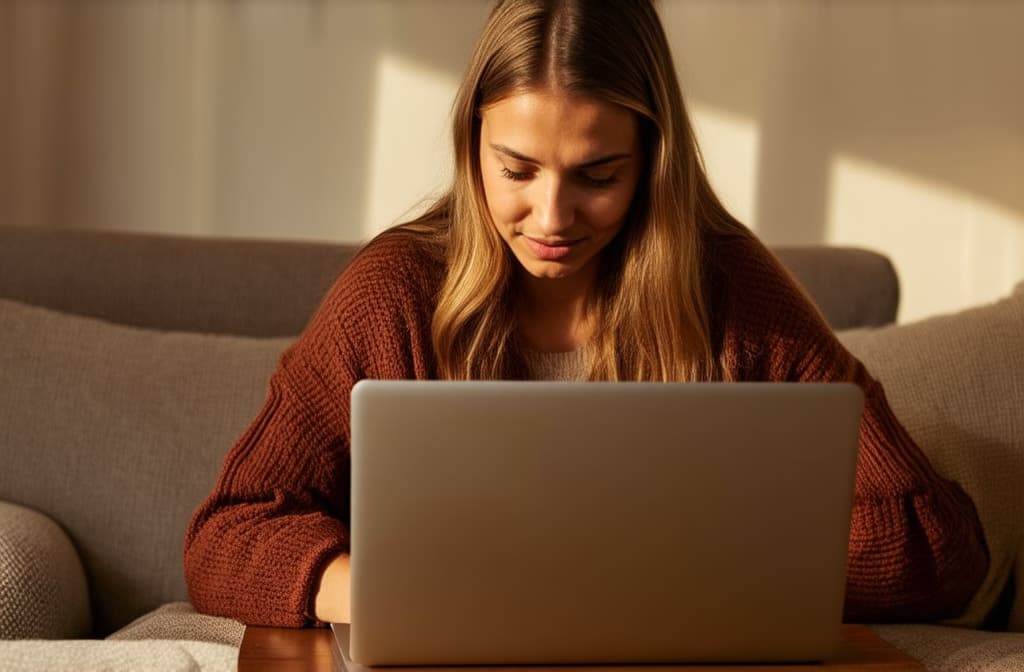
555 208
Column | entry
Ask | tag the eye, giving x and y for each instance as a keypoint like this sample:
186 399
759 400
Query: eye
599 182
514 176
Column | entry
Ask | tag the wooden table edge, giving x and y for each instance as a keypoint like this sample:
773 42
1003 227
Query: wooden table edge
311 649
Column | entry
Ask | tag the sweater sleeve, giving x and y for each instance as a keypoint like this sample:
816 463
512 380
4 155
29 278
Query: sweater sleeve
278 513
917 551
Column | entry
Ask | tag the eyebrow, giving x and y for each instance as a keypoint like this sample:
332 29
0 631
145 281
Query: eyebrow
508 151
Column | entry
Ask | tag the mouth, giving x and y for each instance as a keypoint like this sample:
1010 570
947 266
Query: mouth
551 249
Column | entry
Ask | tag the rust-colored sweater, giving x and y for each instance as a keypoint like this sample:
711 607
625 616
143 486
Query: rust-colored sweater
280 508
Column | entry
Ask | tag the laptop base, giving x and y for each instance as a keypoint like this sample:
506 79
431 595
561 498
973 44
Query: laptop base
344 663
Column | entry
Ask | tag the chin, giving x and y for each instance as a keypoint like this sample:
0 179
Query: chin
546 269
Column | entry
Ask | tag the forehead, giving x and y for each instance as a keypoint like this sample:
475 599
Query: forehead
538 123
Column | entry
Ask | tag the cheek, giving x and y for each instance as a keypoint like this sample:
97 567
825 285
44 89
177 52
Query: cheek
608 210
503 203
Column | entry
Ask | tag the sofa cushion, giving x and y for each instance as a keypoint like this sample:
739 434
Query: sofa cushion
950 649
957 384
43 594
180 621
118 433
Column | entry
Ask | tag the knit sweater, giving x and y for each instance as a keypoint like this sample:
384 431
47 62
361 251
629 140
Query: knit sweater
280 508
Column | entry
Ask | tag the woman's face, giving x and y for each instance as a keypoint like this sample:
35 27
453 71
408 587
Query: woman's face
559 174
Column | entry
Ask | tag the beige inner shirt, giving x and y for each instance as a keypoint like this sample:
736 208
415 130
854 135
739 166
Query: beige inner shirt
566 366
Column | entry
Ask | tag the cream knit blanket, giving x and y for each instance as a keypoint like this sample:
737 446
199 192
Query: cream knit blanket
172 638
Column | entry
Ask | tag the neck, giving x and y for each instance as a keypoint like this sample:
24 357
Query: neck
555 313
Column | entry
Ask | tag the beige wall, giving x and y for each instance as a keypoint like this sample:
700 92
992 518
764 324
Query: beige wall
890 124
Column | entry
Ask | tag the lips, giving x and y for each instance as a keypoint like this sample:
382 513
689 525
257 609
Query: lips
550 250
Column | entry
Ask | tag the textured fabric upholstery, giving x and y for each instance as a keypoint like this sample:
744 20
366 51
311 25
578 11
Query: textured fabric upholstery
957 384
119 433
945 649
241 287
91 655
43 593
180 621
264 288
851 286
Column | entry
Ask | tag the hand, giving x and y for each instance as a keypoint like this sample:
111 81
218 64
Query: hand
332 602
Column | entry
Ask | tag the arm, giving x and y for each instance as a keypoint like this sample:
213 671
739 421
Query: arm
257 546
917 551
269 544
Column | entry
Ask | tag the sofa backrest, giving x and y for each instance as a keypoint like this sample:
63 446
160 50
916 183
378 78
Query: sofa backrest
270 288
117 433
117 427
210 285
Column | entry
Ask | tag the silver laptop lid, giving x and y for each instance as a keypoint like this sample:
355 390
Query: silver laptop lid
524 522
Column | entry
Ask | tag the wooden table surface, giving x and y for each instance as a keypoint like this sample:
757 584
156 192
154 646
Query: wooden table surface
287 649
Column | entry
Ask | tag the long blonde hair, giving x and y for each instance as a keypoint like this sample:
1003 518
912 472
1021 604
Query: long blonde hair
652 306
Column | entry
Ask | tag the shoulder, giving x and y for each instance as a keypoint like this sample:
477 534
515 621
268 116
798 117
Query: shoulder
393 279
769 327
746 279
395 259
746 271
380 307
398 268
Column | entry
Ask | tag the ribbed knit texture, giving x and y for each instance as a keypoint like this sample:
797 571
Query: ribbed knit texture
566 366
279 510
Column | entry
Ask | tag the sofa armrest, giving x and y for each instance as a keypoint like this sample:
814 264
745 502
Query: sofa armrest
43 590
852 287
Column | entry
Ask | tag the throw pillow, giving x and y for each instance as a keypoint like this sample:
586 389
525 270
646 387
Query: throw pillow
956 382
43 593
118 433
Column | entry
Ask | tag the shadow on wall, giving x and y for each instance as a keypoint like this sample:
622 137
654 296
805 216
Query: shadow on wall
934 90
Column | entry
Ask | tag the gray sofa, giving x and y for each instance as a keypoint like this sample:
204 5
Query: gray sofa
130 363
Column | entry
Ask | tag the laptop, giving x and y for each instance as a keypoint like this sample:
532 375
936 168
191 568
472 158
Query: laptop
550 523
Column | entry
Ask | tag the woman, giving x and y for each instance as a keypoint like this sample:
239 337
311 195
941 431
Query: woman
580 240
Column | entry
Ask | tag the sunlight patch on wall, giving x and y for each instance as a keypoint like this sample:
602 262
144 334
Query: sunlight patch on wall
731 146
951 249
410 155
